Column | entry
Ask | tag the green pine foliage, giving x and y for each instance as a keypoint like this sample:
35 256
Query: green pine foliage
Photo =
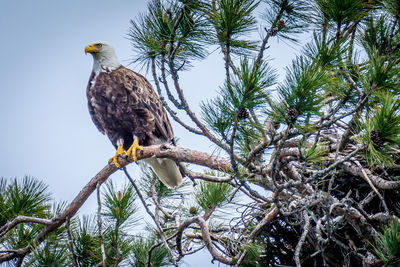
293 14
29 197
120 205
231 20
249 90
140 249
212 195
86 241
392 6
387 246
382 130
302 91
154 36
342 12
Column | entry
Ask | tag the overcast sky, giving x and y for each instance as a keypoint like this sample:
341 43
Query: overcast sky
46 130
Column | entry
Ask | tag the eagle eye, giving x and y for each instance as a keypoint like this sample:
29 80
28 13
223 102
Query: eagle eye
99 45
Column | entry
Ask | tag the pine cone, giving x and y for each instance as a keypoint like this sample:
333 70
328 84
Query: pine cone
280 24
273 31
193 210
292 114
242 114
376 138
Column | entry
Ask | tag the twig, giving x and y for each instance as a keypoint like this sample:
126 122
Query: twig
151 215
206 177
336 163
71 242
165 82
155 200
366 178
190 113
303 236
100 226
179 212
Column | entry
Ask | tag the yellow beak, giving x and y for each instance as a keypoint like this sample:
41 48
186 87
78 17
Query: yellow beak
91 49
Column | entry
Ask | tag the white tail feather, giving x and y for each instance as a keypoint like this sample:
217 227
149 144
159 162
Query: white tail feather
166 170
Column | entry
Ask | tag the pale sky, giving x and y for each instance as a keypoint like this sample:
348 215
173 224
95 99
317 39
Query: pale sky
46 130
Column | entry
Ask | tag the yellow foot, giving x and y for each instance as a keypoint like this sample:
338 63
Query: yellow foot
120 151
132 150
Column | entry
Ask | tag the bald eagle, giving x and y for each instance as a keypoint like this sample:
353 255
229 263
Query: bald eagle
124 106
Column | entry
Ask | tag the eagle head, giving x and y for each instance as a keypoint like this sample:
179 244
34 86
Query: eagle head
103 55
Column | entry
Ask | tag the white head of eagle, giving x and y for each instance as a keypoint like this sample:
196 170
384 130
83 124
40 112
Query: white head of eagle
124 106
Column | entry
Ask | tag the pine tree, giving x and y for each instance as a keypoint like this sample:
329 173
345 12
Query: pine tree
302 172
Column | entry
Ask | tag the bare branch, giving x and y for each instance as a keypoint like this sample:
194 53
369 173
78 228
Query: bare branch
205 232
206 177
376 180
100 226
366 178
306 228
155 200
22 219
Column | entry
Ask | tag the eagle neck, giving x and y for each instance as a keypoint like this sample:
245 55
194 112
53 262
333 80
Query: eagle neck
105 63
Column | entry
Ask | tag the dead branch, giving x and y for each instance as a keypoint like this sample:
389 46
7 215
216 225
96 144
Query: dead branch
366 178
206 177
205 233
22 219
155 200
100 225
376 180
303 236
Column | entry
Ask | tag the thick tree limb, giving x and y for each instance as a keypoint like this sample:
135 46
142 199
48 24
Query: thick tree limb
376 180
184 155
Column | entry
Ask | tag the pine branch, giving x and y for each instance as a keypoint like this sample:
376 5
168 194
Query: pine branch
165 104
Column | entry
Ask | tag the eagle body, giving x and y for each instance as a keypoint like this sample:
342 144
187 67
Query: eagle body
124 106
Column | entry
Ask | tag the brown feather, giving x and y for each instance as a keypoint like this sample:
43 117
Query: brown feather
123 104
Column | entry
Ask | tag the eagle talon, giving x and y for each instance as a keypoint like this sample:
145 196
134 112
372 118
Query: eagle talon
120 152
132 150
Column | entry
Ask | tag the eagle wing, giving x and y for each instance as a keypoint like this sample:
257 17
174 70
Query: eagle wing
92 111
123 103
149 105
